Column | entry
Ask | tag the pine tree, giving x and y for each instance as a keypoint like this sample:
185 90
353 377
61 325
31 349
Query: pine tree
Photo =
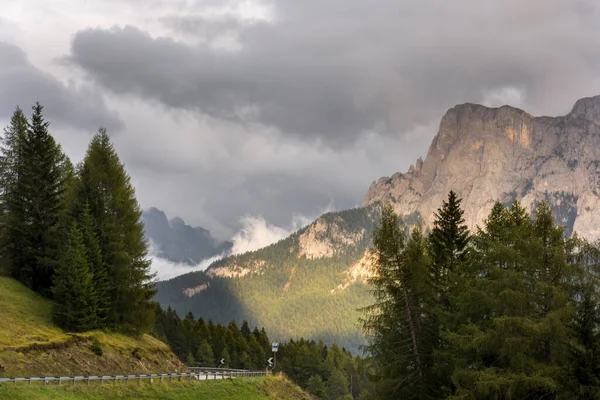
315 386
245 330
398 323
205 356
73 287
337 385
98 268
515 340
257 355
449 239
11 208
448 246
585 358
33 201
106 187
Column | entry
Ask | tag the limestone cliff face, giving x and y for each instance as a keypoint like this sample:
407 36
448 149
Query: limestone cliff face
488 154
323 238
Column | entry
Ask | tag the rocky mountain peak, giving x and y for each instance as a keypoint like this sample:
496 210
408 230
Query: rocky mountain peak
176 241
488 154
587 108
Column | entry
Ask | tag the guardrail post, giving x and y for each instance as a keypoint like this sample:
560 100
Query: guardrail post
101 380
88 381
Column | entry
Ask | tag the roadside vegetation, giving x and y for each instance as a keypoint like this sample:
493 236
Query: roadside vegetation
269 388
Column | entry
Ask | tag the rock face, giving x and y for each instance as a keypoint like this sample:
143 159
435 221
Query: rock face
323 238
178 242
488 154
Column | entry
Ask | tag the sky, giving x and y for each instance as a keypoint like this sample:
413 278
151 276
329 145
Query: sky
242 115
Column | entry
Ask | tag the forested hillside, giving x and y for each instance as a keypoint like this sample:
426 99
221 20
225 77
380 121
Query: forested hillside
321 267
326 372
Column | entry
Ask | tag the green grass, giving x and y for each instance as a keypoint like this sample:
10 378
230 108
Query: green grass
25 317
31 345
269 388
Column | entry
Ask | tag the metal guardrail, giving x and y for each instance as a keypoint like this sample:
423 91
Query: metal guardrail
201 374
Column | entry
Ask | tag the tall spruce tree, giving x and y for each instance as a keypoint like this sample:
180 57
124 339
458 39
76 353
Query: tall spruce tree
34 201
11 209
515 341
448 246
97 266
398 323
449 237
73 291
585 358
106 188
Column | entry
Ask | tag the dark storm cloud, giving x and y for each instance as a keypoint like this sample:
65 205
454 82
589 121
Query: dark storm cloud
333 69
22 84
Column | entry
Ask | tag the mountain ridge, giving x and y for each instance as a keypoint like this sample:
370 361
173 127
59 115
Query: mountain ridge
484 154
176 241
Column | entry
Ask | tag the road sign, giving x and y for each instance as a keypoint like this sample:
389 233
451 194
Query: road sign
222 362
270 361
274 347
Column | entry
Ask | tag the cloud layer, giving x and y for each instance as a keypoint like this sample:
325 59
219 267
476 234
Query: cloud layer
222 109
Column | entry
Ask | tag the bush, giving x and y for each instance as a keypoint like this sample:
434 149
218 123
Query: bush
137 353
96 347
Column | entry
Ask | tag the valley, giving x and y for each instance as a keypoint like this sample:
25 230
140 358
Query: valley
483 154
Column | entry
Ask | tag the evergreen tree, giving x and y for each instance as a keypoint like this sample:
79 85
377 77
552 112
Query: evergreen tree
106 187
98 268
257 355
515 343
226 359
33 170
398 323
11 208
585 358
448 239
204 356
245 330
315 386
73 288
337 385
40 187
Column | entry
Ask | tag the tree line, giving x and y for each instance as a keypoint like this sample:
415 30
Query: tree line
510 311
73 233
330 373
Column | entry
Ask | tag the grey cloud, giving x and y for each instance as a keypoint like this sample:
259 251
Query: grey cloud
333 69
21 83
202 27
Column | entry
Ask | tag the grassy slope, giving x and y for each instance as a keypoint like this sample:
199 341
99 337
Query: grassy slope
270 388
31 345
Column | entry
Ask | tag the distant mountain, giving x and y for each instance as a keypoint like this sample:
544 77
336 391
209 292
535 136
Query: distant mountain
178 242
312 283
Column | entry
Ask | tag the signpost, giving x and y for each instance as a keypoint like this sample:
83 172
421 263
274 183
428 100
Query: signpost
274 348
